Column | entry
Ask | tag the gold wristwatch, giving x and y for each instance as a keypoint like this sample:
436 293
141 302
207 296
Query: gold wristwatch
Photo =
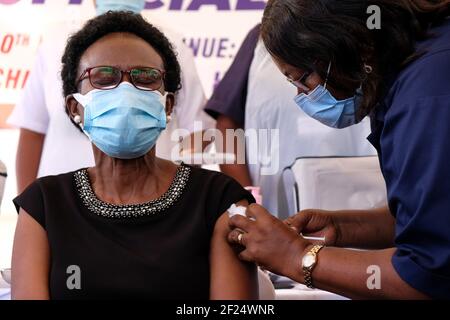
309 261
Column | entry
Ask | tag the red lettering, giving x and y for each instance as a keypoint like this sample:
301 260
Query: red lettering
25 78
26 40
7 43
14 78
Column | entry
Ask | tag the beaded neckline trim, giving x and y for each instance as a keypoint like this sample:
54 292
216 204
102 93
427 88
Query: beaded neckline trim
152 207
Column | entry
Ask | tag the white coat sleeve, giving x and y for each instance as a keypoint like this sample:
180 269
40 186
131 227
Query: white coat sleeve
31 111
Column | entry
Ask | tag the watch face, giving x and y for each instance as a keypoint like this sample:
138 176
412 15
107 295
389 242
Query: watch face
308 260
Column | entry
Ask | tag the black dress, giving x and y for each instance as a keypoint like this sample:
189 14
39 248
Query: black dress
158 250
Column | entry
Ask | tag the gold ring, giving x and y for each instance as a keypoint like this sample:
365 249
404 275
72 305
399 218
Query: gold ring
239 238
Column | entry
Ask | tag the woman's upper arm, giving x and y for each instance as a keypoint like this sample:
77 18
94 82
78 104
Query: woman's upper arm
30 260
231 278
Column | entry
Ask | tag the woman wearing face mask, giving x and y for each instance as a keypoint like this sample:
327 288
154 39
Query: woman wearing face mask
400 76
41 119
132 226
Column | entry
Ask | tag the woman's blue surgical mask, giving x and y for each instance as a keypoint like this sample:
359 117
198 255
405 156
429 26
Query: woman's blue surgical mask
322 106
103 6
124 122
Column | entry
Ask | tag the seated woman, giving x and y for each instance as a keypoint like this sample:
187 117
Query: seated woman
133 226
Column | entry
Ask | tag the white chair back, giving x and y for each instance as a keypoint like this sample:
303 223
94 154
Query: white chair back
333 183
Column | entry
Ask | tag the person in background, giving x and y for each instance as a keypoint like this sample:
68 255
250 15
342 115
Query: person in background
133 226
399 75
48 144
253 95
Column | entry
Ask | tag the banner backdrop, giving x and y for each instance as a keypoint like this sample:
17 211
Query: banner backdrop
213 29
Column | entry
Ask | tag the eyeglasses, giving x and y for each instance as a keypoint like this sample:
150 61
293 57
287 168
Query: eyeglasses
107 77
299 83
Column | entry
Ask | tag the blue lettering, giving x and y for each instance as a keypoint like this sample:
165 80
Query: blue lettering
154 4
217 79
177 5
220 4
207 53
194 44
250 5
209 47
222 47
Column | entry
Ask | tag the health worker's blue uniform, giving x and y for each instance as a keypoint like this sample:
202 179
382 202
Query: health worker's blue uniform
411 131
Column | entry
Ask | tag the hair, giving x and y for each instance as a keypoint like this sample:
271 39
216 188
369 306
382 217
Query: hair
303 32
111 22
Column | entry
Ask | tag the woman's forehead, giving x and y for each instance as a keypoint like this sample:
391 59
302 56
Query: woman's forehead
122 50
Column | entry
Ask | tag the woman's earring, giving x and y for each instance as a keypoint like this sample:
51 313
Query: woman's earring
368 69
77 119
169 118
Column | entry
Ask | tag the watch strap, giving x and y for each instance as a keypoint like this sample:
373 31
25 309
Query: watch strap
307 272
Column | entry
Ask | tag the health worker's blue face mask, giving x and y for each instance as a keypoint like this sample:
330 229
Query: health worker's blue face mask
123 122
320 104
103 6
